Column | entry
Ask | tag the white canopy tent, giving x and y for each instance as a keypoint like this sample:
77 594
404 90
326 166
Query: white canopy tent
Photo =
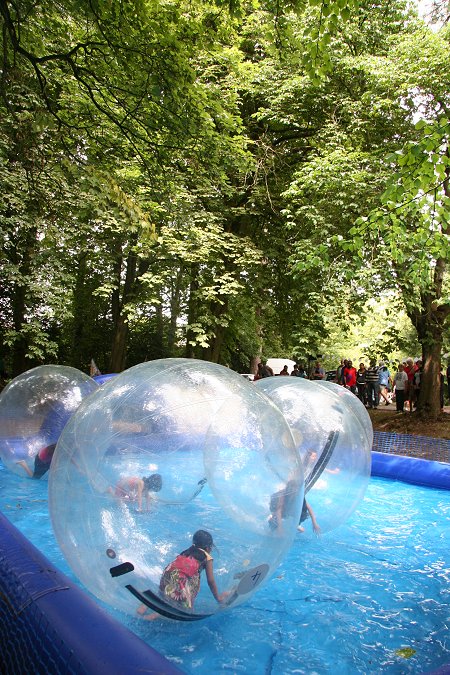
277 365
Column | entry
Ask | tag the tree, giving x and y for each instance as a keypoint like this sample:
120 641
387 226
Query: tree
412 228
374 91
112 84
311 140
214 166
439 12
31 199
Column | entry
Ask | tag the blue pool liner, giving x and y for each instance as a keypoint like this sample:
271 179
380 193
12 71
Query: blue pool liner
416 471
49 625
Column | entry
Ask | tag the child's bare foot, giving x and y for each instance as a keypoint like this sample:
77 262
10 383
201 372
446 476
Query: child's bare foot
300 528
142 611
152 617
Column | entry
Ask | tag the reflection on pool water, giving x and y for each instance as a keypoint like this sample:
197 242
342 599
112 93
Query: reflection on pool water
373 596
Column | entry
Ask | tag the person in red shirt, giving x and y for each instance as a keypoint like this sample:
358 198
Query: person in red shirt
410 369
349 373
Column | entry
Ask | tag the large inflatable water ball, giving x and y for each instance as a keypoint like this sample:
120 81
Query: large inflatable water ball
34 409
352 402
333 445
169 455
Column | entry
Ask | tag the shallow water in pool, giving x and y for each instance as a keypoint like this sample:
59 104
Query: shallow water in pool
371 597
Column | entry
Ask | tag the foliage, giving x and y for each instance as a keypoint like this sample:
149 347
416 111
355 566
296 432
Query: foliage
220 179
381 331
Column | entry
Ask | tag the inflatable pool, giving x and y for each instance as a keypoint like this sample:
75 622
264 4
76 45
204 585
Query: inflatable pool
48 624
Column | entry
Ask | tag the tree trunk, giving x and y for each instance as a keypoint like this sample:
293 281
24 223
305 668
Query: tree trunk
20 362
429 405
192 313
19 350
158 348
212 352
119 347
175 305
78 313
430 324
120 335
255 360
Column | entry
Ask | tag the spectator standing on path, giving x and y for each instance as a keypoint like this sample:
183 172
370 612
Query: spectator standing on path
94 369
339 369
373 395
361 383
266 371
401 384
409 369
302 372
347 362
318 373
384 382
349 376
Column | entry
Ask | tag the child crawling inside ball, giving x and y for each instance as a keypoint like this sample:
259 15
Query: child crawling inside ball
42 462
180 581
134 488
282 505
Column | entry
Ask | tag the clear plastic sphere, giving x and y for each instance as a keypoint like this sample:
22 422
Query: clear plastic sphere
211 449
34 409
352 402
333 446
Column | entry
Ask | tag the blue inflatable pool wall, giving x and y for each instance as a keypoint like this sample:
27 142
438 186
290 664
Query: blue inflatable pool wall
411 470
49 625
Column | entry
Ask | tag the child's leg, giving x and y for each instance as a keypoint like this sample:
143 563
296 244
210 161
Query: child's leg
25 466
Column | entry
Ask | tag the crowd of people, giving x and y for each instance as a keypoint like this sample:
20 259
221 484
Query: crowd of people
374 384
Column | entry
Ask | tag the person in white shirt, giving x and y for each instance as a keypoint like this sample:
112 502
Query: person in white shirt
400 383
